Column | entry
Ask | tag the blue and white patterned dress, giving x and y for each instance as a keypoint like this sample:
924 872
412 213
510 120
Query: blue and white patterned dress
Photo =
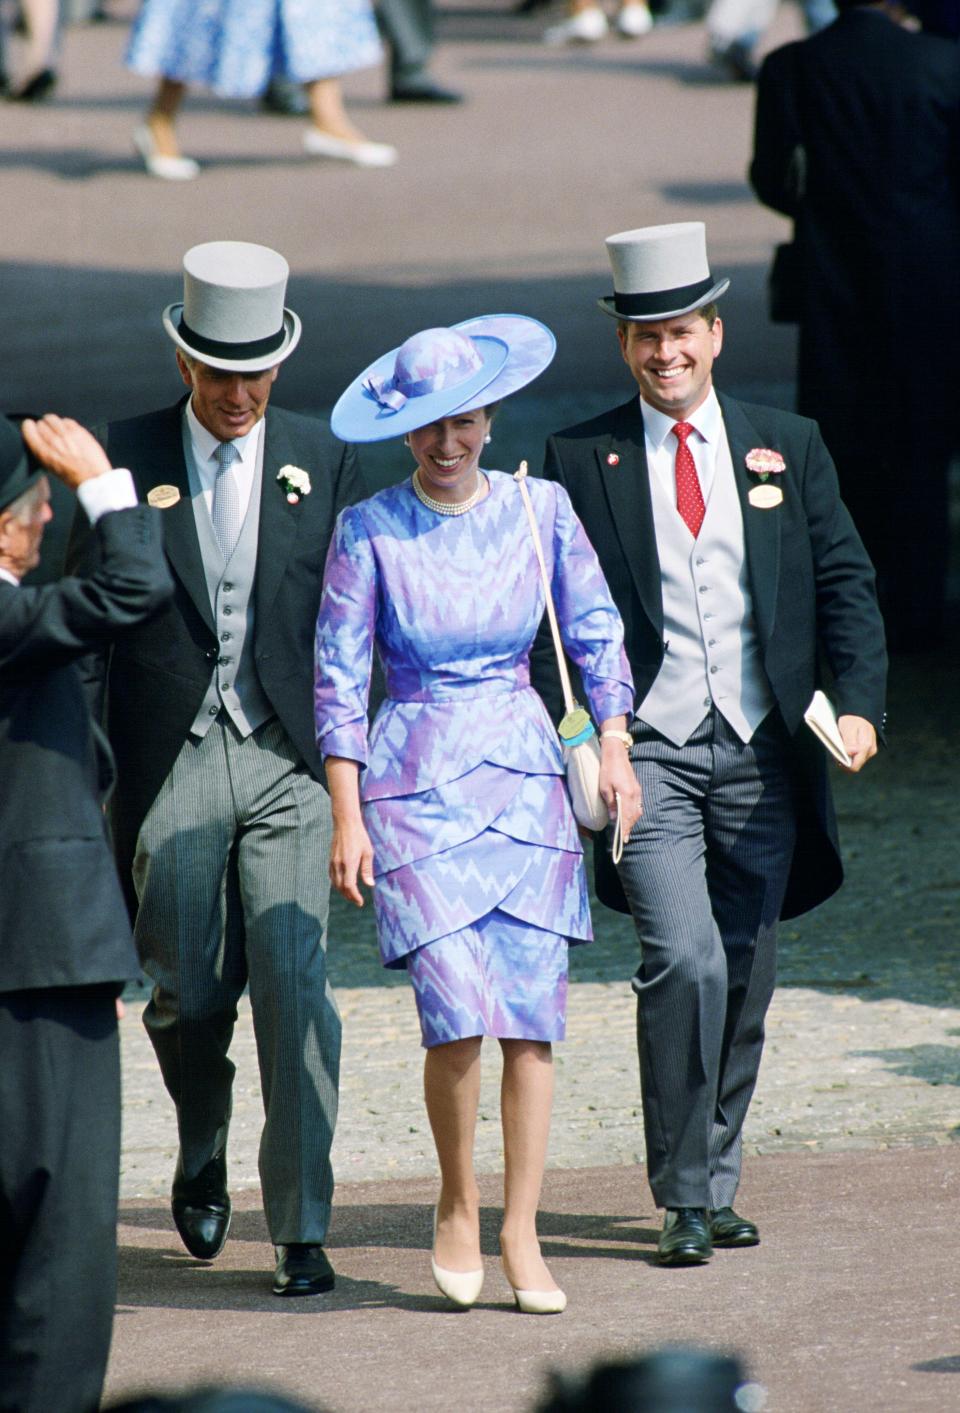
236 48
479 879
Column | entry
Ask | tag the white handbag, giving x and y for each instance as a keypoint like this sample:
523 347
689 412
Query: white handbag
578 737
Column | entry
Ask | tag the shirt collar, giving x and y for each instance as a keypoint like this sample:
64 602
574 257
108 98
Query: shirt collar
205 443
707 419
9 577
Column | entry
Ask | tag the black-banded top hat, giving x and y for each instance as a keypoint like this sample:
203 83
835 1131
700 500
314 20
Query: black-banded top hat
16 477
660 272
232 315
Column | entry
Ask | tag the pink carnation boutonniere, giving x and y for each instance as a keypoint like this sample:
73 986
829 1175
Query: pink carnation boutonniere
295 482
765 463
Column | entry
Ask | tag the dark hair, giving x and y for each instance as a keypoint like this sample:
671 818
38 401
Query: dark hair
708 312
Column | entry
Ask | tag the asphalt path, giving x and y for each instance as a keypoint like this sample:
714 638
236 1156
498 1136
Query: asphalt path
501 205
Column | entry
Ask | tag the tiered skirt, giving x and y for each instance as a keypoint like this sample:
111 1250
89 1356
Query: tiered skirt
480 885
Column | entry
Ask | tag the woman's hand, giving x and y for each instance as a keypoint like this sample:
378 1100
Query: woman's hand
351 859
617 777
351 853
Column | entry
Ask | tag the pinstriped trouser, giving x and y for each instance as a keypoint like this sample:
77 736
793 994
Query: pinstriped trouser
231 876
705 873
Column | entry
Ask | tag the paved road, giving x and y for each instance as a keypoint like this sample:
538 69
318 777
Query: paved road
503 204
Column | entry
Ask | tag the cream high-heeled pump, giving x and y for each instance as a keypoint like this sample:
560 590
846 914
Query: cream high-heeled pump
540 1302
462 1287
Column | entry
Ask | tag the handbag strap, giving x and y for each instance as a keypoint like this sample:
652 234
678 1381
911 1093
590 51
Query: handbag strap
616 848
520 476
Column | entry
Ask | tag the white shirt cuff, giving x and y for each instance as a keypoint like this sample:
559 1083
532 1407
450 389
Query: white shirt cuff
114 490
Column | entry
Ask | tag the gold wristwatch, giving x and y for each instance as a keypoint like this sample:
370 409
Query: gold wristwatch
623 736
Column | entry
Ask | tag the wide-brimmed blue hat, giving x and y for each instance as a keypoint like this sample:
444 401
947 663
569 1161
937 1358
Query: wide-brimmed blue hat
437 372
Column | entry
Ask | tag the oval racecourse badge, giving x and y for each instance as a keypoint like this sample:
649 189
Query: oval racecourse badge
765 497
163 497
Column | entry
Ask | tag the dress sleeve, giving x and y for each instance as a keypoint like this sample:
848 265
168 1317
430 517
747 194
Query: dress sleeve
344 643
590 626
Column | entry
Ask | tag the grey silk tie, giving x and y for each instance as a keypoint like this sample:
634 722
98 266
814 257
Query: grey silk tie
225 511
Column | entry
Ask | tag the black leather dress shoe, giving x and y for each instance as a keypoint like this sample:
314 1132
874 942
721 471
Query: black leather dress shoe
727 1228
38 87
201 1208
685 1238
734 62
422 89
302 1270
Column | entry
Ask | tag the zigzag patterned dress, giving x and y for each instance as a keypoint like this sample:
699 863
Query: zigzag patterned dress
479 879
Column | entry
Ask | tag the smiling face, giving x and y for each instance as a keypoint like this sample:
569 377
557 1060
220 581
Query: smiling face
228 404
672 360
448 454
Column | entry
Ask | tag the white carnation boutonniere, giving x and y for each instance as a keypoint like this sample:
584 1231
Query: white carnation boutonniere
295 482
765 463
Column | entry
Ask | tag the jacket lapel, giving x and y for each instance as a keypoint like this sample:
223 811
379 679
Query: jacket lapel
279 520
622 461
162 463
761 528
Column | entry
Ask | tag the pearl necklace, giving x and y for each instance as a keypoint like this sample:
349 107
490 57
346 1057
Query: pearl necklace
443 507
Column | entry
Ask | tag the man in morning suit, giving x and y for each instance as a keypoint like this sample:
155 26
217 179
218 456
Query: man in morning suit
65 944
732 560
220 819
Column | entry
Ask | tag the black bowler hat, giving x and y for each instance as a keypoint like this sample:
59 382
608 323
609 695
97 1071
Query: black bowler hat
15 474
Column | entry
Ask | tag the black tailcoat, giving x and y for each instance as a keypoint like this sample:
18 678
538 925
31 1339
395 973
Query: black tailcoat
62 922
811 583
157 677
65 951
876 111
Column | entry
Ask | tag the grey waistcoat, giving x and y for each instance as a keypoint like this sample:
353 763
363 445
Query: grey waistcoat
713 653
234 684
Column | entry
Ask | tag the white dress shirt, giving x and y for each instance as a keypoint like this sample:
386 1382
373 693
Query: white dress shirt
204 447
708 444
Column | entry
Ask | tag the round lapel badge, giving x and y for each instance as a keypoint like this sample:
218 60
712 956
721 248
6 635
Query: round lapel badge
163 497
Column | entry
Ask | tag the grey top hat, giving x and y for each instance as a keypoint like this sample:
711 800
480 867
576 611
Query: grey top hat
232 315
16 477
660 272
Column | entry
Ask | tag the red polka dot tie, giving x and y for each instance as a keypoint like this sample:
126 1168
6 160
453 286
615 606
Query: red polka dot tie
689 494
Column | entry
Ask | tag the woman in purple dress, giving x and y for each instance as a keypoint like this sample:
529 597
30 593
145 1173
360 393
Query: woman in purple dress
455 810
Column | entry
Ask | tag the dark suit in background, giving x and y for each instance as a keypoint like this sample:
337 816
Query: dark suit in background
65 952
875 199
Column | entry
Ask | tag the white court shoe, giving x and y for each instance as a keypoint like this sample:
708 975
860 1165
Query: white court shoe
634 21
540 1302
462 1287
585 27
168 169
361 153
